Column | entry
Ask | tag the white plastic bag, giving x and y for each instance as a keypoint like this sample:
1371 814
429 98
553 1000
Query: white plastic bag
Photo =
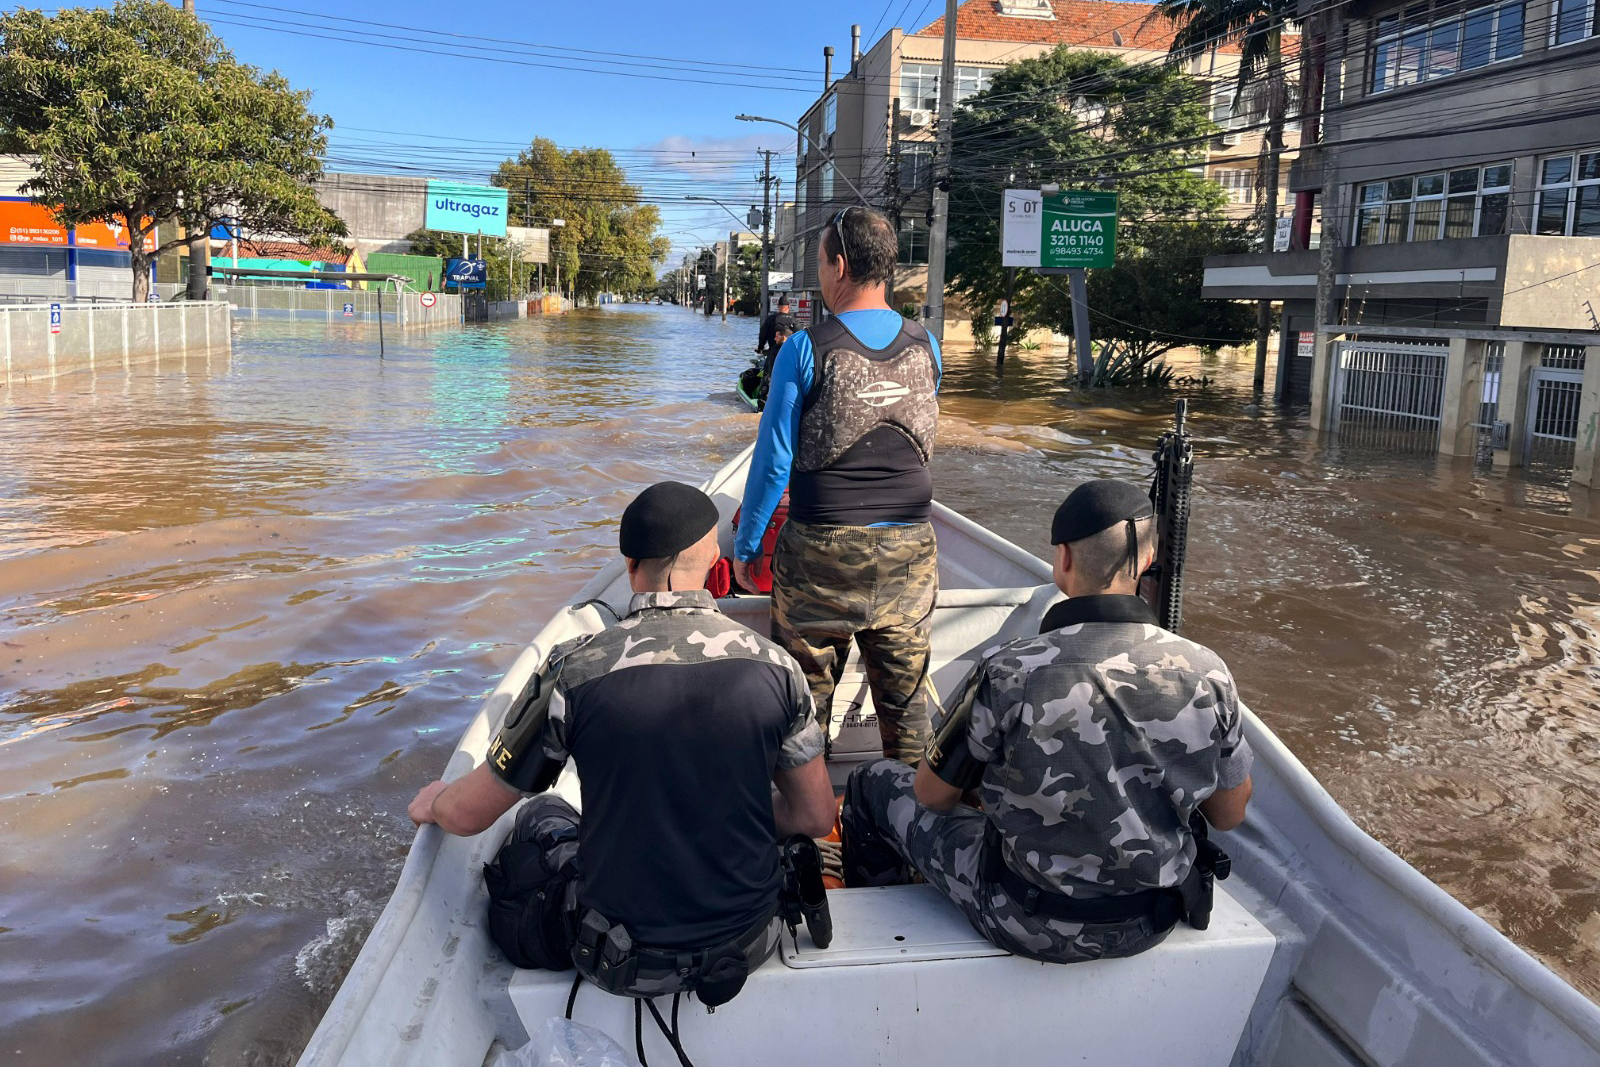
564 1043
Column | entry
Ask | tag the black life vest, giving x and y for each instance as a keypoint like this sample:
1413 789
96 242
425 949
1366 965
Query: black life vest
867 426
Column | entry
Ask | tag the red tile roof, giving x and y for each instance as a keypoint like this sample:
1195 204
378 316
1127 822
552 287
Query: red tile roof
1082 23
269 248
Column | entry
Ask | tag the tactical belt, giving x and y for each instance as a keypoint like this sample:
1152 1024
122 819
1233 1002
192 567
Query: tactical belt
612 960
1163 907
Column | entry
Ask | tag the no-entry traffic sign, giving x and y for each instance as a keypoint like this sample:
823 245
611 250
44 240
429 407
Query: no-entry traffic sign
428 300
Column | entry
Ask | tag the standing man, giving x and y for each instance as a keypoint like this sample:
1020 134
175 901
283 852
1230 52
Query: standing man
768 342
682 722
848 428
1096 744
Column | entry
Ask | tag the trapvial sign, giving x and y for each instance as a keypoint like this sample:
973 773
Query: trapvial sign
457 208
466 273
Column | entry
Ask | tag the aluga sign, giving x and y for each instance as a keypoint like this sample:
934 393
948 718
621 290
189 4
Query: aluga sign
1079 229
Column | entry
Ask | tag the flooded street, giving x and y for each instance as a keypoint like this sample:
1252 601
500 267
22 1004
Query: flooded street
249 609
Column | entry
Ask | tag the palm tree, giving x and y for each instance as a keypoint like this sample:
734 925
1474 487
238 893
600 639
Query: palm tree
1256 26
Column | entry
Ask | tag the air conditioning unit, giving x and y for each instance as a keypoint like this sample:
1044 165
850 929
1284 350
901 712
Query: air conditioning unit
920 117
1230 137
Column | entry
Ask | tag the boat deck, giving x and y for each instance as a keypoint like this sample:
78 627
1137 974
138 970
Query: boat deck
907 980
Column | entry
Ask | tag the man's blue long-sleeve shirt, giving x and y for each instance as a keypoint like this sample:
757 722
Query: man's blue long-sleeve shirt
780 420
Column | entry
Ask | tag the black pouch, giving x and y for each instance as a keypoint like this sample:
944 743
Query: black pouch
528 918
722 975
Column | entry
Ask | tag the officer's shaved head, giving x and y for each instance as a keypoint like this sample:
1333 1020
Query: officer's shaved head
680 572
1101 560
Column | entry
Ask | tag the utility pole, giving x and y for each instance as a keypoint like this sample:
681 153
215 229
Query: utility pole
766 226
199 243
894 189
938 235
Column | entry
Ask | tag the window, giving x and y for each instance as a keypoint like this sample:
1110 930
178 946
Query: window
800 184
913 241
1575 20
830 118
916 166
1240 185
1465 202
971 80
827 183
1569 196
1422 44
919 87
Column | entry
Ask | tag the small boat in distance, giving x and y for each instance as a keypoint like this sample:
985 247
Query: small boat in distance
1325 949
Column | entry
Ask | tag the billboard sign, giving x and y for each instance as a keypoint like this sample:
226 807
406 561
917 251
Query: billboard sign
533 242
467 273
1079 229
457 208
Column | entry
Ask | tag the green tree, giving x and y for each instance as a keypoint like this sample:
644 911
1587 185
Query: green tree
1083 120
1150 302
1256 27
140 115
609 242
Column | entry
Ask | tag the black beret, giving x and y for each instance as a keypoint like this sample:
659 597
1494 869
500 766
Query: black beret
665 519
1098 505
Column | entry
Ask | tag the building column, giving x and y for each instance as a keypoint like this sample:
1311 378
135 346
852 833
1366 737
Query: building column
1322 382
1512 409
1586 457
1463 398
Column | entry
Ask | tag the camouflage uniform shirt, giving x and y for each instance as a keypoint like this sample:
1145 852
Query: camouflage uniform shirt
677 717
1101 738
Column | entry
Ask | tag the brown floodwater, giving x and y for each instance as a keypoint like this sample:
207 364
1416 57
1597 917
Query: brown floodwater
248 607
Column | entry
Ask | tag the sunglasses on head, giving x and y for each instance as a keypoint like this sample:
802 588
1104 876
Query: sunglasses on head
838 228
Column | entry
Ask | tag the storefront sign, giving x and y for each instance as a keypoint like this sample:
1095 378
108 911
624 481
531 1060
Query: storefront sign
111 236
23 222
457 208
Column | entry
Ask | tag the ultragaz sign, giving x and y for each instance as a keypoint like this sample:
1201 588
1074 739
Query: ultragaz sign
457 208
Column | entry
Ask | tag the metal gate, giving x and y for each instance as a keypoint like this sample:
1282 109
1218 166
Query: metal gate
1555 391
1390 395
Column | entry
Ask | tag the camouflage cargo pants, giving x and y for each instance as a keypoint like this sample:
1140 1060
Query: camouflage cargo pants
550 815
885 829
871 584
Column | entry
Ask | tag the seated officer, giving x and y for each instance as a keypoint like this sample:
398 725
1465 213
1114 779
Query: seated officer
681 722
1095 743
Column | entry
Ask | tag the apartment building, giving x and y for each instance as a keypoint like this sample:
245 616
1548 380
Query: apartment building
870 135
1455 166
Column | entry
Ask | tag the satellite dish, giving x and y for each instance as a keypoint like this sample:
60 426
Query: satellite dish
1116 38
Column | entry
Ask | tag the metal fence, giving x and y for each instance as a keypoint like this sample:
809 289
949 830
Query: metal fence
1555 394
1390 395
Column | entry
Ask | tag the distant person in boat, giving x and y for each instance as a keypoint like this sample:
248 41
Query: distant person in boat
848 427
681 723
767 341
1096 743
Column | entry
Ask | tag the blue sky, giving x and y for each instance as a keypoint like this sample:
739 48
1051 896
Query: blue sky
458 115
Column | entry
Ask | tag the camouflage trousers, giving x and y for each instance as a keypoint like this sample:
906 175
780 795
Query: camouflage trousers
885 829
871 584
551 814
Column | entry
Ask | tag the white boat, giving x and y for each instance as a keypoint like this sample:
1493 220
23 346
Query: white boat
1325 948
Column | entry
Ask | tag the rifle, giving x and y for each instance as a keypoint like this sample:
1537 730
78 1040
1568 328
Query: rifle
1169 495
